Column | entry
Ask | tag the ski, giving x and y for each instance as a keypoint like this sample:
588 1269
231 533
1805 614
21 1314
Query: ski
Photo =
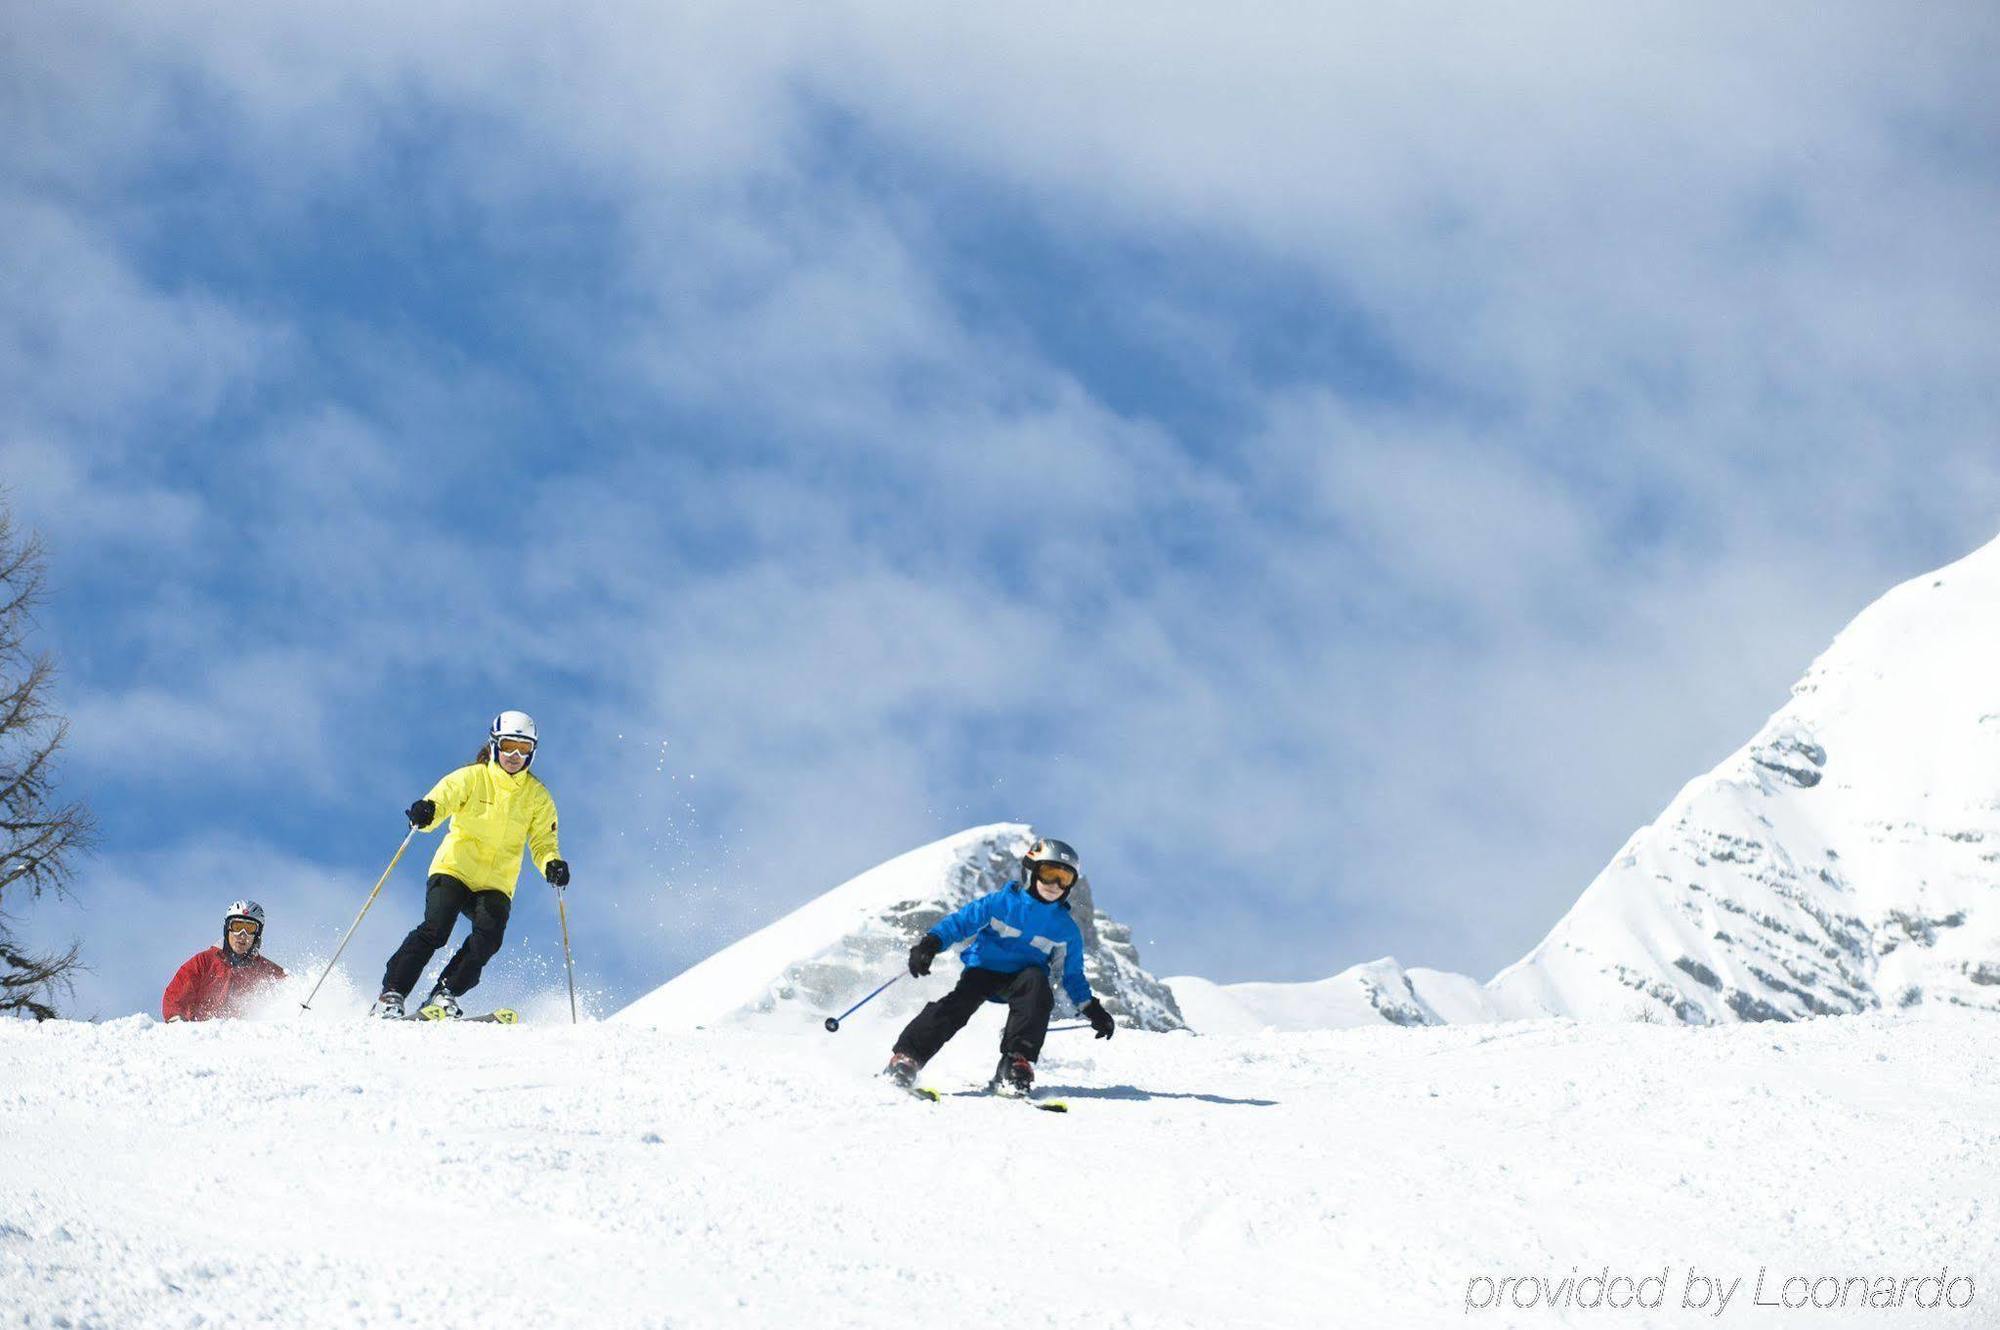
926 1093
1046 1105
498 1016
913 1090
993 1091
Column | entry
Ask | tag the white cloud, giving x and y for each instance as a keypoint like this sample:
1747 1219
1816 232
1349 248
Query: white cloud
235 718
91 514
88 341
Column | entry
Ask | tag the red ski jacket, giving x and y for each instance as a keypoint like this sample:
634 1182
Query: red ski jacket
209 986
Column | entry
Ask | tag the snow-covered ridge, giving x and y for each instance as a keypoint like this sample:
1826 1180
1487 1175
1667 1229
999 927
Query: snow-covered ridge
1846 858
831 951
1373 993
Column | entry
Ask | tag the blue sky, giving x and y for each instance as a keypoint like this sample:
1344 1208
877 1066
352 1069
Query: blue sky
1343 470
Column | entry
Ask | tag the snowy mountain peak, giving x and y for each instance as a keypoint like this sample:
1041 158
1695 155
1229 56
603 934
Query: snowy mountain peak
830 952
1846 858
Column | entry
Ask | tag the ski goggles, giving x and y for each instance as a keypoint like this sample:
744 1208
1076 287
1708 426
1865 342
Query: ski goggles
1056 875
242 926
524 747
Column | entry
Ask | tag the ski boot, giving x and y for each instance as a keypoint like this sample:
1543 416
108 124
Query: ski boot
1015 1077
440 1006
388 1007
903 1069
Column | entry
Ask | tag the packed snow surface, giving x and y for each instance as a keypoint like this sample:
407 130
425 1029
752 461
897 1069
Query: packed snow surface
341 1173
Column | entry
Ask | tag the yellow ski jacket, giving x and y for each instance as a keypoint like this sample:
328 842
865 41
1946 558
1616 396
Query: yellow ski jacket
492 816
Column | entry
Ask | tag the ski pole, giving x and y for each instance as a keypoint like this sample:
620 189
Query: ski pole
1058 1029
307 1004
568 968
833 1022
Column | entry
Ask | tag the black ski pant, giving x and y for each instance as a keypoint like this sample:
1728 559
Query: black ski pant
445 899
1029 999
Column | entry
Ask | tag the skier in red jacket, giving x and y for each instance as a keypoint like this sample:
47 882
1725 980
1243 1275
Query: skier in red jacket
224 980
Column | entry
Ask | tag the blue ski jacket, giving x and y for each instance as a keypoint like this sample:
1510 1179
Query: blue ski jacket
1014 929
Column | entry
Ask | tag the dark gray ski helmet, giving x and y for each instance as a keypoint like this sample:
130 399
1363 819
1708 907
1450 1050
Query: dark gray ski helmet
1053 852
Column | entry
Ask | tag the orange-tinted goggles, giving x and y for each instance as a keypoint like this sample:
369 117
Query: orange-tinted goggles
1056 875
237 926
522 746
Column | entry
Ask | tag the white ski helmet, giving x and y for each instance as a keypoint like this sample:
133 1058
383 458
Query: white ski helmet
512 725
250 912
1053 852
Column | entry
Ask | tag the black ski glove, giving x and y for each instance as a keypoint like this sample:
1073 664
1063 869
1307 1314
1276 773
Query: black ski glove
1099 1018
923 954
557 873
421 813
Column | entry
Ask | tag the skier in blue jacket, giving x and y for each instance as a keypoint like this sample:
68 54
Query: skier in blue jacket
1019 936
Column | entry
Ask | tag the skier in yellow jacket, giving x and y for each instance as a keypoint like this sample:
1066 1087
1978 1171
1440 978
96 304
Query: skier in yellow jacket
496 807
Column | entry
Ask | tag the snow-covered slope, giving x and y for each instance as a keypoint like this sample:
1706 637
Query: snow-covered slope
1845 859
830 952
338 1173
